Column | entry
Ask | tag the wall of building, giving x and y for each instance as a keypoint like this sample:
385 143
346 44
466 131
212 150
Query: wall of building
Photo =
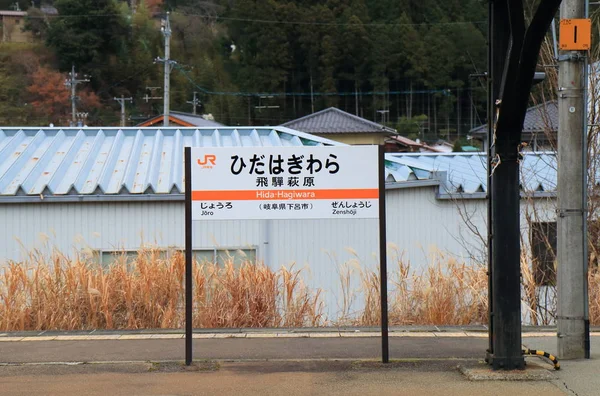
12 30
419 228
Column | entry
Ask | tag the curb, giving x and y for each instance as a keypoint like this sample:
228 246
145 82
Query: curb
308 360
222 335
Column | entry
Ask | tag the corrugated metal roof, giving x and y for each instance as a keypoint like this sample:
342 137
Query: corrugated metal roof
540 118
57 161
121 162
334 120
465 173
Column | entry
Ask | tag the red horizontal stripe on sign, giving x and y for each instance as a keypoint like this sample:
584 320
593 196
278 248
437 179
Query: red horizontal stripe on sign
281 195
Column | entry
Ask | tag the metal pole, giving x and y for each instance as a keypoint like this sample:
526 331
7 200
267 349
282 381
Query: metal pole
571 274
385 350
503 212
167 34
312 98
356 98
457 113
122 111
490 122
506 258
73 85
188 256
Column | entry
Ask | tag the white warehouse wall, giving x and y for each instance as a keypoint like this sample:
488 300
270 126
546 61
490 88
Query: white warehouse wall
417 224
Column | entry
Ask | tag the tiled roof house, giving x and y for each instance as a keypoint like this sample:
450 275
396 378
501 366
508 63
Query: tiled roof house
333 123
539 128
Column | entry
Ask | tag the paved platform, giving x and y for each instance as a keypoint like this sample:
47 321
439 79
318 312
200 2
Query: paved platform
289 378
31 362
258 347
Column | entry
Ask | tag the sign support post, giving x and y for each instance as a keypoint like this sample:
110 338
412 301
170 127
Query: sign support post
277 183
188 257
385 349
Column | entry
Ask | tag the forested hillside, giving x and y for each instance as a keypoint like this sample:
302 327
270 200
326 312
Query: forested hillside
254 62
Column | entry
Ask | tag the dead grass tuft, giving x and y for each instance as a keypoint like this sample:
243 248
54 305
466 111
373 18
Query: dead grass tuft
56 292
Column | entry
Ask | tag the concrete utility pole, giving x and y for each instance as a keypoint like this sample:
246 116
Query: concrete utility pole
573 319
194 102
166 30
122 101
72 82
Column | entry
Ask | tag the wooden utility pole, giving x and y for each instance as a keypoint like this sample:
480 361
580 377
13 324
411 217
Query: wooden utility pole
572 315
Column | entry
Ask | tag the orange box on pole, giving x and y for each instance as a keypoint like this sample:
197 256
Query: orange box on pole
575 34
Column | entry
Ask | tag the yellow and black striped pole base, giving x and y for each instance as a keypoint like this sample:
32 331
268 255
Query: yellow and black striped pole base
535 352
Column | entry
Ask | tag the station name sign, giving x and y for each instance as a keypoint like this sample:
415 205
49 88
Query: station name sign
310 182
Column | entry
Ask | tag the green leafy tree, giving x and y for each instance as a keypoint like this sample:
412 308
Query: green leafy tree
92 34
37 23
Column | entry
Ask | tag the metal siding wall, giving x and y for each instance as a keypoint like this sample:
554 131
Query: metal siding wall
109 226
418 225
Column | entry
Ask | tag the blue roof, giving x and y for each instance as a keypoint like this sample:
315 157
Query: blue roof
141 163
93 161
465 173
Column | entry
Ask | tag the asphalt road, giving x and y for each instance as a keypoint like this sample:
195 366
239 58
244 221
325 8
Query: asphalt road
241 349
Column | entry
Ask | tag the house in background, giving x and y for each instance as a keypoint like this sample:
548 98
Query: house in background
335 124
539 129
401 144
178 118
12 23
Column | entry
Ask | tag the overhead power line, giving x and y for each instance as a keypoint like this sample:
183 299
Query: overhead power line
290 94
272 21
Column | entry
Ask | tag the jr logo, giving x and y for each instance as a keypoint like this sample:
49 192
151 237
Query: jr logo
208 159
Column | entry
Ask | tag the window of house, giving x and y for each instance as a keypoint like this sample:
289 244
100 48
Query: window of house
108 257
543 252
222 256
219 256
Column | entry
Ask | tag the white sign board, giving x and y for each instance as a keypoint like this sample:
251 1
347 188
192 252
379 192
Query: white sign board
317 182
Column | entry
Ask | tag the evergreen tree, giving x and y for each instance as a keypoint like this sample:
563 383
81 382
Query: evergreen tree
89 34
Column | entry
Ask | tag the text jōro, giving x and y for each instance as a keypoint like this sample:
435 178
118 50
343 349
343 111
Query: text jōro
216 205
276 164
